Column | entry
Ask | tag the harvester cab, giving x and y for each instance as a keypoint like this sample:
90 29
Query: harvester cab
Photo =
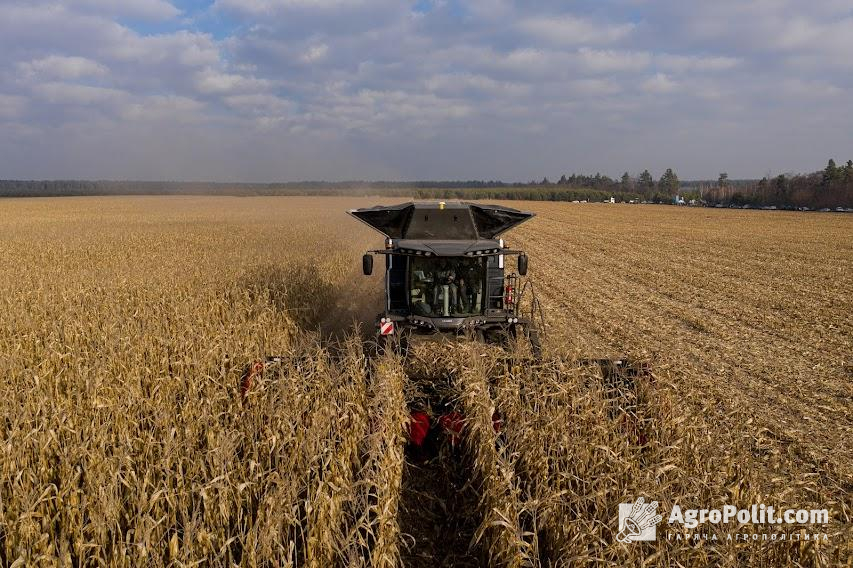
445 273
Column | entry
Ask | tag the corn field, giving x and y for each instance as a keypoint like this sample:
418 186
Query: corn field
129 439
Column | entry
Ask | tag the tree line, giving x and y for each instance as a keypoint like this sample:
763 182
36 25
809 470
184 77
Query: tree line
536 192
831 187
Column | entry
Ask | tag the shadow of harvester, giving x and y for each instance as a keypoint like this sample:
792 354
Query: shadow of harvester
315 300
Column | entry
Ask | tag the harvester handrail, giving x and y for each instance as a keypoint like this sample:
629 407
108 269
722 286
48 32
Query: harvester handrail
536 314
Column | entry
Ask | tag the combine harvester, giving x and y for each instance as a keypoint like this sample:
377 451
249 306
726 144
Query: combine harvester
445 274
446 279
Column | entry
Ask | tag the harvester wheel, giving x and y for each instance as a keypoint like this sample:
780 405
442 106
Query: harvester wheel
528 333
535 345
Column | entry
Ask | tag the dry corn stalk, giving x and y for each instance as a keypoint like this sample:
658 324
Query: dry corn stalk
384 472
500 504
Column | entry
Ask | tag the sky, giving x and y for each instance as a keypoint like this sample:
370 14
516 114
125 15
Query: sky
289 90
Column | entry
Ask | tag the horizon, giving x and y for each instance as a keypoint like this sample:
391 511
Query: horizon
354 181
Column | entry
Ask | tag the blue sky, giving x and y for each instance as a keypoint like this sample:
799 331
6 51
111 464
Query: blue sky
266 90
197 16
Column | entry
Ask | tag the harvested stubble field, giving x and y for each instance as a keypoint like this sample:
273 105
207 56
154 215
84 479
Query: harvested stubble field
126 324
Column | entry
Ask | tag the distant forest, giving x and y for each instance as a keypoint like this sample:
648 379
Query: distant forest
829 188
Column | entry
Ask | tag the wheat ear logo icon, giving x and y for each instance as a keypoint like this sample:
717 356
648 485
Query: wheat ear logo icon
642 516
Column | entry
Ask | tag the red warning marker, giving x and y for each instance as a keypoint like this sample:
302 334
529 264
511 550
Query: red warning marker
386 328
497 421
418 427
453 423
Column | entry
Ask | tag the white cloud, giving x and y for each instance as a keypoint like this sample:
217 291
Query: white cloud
761 27
488 9
210 81
73 94
810 89
63 67
148 10
573 30
660 83
809 35
144 9
458 84
527 64
184 48
315 53
261 104
158 108
261 7
685 63
595 87
613 61
386 113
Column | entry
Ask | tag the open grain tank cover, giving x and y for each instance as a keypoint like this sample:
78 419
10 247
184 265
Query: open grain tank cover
441 221
492 220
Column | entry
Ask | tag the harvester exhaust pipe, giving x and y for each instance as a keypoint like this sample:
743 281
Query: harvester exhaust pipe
445 290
